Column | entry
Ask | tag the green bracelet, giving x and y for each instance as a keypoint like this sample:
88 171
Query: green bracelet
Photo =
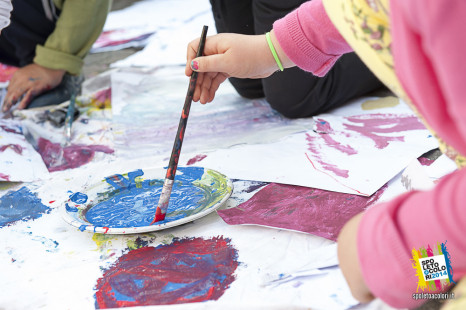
274 53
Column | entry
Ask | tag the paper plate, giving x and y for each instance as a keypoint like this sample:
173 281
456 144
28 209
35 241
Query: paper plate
126 203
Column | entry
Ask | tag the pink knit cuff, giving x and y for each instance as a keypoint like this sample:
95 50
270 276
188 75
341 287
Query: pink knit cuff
309 39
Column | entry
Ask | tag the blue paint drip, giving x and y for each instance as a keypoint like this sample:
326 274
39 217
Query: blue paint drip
78 198
70 209
21 205
135 206
448 262
82 227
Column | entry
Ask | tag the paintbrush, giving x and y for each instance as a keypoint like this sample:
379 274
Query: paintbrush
69 119
173 164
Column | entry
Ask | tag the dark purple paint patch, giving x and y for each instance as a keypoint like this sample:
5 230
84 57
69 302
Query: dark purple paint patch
18 149
188 270
425 161
58 158
378 127
314 211
196 159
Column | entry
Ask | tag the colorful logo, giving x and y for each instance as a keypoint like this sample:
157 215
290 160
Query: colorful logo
433 268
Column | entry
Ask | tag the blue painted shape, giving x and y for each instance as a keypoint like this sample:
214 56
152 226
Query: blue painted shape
70 209
120 182
78 198
82 227
135 206
20 205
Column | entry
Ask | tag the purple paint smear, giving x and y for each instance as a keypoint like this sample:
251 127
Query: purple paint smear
318 212
377 127
15 129
15 147
5 177
196 159
312 143
325 130
188 270
58 158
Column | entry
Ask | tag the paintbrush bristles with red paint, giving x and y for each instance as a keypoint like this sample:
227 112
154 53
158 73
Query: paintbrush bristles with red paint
173 164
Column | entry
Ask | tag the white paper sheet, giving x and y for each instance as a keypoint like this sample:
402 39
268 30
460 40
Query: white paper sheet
356 153
171 25
19 162
147 108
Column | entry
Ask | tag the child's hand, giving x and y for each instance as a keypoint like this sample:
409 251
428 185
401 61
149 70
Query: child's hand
349 261
28 82
231 55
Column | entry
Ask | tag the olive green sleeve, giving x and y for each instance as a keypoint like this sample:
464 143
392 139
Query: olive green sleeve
78 27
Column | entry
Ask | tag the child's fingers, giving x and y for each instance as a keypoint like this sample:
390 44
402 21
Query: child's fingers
26 99
197 90
12 96
190 55
212 63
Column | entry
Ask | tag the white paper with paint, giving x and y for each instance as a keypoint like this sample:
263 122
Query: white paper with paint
47 251
441 167
146 110
341 158
170 30
19 162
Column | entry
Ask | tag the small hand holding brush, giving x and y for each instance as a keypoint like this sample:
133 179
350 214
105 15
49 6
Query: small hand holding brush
173 164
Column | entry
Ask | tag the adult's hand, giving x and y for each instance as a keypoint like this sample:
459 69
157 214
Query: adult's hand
29 82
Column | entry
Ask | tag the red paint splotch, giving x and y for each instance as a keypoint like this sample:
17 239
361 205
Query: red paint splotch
18 149
383 128
195 159
58 158
314 211
188 270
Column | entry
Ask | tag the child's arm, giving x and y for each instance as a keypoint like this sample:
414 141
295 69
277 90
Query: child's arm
375 250
78 26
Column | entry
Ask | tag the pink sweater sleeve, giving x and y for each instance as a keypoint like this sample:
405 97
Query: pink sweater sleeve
389 231
428 49
309 39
